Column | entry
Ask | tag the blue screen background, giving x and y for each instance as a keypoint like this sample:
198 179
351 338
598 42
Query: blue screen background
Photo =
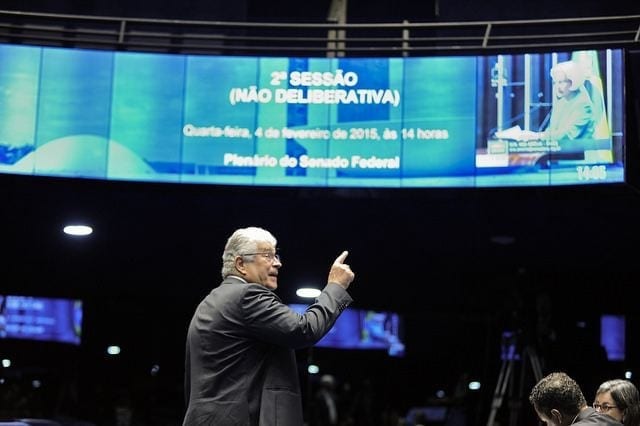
124 115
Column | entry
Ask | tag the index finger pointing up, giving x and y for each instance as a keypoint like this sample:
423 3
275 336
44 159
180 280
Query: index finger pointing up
340 259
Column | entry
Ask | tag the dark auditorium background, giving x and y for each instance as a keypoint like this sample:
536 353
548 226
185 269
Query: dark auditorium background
460 265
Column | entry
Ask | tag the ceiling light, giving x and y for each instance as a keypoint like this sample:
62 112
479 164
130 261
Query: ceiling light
78 230
308 292
113 350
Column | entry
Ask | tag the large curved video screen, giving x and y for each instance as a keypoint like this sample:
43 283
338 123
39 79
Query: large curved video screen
539 119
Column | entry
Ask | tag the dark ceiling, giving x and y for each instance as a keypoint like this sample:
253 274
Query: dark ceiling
317 11
423 244
435 249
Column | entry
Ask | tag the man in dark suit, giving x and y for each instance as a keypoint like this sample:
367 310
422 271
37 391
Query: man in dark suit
559 401
240 366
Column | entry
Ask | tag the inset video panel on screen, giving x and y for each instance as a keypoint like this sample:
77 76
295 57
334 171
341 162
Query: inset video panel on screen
449 121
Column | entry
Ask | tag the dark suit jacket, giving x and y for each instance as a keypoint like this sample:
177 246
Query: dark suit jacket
590 417
240 366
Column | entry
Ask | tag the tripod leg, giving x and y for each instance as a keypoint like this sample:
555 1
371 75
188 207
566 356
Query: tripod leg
501 387
531 357
535 364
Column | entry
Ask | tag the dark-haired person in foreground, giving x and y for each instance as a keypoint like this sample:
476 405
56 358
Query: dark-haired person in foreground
620 399
240 366
559 401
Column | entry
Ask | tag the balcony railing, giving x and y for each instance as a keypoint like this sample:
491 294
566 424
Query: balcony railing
315 39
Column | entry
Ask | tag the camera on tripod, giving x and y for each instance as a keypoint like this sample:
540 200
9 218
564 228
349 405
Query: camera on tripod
509 346
510 353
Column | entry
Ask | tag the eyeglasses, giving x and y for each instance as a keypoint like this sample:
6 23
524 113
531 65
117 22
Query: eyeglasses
271 257
604 407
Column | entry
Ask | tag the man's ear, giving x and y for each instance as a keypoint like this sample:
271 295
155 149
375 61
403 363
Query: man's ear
240 265
556 416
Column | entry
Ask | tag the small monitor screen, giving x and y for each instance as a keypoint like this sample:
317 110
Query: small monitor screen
40 318
363 329
612 336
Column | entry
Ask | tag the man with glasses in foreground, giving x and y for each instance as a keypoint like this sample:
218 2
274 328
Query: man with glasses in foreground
559 401
240 366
